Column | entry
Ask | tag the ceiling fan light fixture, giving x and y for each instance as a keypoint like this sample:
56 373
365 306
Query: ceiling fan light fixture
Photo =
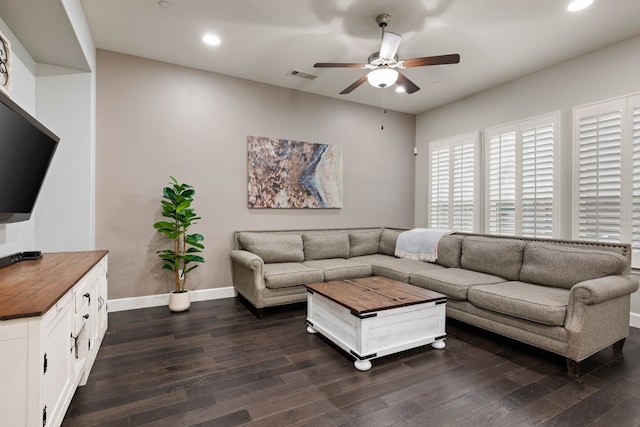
382 77
211 39
576 5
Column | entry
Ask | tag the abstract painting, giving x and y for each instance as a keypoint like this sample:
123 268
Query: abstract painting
293 174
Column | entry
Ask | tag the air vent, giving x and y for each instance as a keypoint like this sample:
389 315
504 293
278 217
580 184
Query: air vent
301 74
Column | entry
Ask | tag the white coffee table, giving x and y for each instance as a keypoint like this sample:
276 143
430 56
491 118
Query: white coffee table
375 316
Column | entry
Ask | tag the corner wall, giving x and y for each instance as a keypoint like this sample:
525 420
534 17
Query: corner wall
606 73
156 119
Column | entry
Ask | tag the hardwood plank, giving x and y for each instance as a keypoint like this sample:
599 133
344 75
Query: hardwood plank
218 365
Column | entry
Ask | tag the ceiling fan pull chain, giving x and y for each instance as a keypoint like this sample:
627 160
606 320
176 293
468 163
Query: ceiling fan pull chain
384 110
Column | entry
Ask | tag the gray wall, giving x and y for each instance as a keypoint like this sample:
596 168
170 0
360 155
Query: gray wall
156 119
607 73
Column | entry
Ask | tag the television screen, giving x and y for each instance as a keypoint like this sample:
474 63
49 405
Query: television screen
26 150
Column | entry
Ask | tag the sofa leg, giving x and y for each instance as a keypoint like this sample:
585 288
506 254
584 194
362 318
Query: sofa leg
573 368
258 312
617 346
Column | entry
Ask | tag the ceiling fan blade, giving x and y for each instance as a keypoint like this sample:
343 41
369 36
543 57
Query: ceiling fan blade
390 44
337 65
409 86
354 85
432 60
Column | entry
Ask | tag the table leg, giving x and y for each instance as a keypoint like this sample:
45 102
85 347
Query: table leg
438 344
362 365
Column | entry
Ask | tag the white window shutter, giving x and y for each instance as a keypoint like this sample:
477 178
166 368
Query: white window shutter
453 178
599 139
439 194
501 197
463 189
521 186
538 181
635 214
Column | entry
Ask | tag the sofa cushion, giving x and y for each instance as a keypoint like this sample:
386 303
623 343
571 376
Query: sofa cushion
325 245
273 247
449 250
364 242
285 274
388 239
541 304
400 269
453 282
564 266
499 257
338 268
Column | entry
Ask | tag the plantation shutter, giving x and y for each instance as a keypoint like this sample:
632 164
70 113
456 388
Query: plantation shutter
599 138
521 186
501 197
439 194
635 214
537 181
463 197
453 183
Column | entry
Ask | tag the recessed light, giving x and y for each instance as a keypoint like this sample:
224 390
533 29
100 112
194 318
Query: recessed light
211 40
577 5
400 89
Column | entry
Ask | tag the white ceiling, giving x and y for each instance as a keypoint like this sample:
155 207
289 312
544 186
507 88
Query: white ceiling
262 40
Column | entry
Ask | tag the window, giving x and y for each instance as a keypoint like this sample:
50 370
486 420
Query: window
520 178
453 171
607 172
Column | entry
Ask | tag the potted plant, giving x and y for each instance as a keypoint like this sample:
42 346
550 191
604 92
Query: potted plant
181 258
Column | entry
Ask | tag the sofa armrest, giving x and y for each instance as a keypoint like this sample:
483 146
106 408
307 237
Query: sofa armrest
606 288
247 259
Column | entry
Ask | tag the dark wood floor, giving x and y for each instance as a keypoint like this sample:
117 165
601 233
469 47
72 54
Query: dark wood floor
218 365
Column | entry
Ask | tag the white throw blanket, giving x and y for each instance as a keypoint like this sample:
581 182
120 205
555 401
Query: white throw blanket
420 243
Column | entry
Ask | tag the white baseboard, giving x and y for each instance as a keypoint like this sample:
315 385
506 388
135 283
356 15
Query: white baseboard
634 320
147 301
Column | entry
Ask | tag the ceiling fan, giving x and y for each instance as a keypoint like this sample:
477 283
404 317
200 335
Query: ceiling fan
383 65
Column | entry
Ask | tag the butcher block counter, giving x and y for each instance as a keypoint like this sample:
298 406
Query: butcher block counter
31 287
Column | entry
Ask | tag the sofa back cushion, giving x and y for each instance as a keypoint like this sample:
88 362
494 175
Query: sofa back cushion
564 266
500 257
273 247
364 242
388 239
325 245
449 250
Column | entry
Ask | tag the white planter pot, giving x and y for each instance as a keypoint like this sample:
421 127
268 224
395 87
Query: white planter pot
179 301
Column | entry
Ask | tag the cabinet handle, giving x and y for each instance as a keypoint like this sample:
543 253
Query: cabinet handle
86 316
88 296
46 364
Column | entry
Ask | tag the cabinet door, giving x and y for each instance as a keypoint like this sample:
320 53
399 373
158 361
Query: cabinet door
14 348
57 363
103 290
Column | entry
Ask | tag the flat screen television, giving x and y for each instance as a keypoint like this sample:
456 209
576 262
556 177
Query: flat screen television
26 150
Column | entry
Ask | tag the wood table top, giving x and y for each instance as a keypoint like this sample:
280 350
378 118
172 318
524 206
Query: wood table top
31 287
375 293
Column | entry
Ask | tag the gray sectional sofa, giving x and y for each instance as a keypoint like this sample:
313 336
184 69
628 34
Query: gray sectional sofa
568 297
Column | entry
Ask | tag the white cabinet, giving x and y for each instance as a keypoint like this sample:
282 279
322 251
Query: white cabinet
47 348
57 365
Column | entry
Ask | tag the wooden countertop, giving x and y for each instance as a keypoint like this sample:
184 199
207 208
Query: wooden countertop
31 287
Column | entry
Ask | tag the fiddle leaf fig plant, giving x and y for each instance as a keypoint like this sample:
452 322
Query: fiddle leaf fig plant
182 258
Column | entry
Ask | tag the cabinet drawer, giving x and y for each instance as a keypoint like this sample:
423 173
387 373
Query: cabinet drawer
83 296
81 319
